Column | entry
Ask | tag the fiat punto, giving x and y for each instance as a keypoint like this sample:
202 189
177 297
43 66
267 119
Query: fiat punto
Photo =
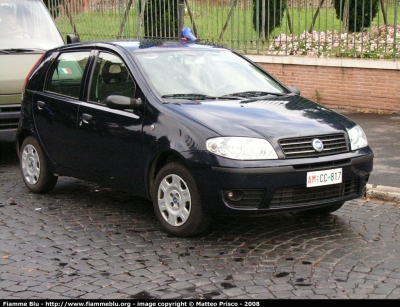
196 128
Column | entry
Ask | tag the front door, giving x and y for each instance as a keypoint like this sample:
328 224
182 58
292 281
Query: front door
111 140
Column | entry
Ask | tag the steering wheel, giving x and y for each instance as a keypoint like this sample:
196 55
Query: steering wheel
183 84
226 89
13 33
178 76
207 80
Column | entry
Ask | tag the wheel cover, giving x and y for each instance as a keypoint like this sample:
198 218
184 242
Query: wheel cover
30 164
174 201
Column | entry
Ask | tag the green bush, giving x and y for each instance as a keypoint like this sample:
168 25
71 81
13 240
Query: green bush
274 10
360 13
160 18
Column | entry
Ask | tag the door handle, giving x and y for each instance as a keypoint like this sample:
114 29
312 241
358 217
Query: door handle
40 105
85 119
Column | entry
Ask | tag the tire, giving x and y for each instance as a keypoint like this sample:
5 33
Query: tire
176 202
325 210
34 168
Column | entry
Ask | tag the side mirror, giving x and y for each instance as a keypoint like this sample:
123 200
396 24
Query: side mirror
71 39
123 102
294 90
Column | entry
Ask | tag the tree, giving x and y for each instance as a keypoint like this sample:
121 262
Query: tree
160 18
267 15
356 14
53 7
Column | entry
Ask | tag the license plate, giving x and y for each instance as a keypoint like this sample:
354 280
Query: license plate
319 178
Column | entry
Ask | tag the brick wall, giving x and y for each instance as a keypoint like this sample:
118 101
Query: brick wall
351 88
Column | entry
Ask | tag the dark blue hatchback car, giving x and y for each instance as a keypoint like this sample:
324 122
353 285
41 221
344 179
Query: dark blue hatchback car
197 129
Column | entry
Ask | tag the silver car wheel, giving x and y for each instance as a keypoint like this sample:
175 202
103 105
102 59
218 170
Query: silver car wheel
174 201
30 164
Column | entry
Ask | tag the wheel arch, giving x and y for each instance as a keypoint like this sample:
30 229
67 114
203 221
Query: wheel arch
158 162
21 136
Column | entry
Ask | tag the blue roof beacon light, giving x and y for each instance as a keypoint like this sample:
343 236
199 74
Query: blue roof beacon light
187 34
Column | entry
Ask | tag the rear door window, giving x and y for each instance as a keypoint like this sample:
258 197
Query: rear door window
65 76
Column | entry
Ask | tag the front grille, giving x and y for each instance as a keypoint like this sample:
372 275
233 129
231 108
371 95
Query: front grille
10 123
322 165
251 198
10 108
303 196
302 147
9 116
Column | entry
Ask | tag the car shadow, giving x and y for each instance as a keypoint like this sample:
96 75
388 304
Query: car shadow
8 153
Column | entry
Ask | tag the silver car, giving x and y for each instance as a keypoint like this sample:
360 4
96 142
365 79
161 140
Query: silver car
27 30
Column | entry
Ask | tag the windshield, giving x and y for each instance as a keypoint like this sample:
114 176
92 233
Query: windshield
27 24
176 72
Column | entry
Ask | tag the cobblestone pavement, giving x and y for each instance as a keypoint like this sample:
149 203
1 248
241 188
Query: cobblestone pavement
84 241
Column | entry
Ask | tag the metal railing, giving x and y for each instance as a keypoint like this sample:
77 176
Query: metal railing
320 28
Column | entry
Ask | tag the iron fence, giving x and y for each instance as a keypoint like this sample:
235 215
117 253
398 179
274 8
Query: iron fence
320 28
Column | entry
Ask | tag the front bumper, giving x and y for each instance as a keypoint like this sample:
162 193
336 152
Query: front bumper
274 189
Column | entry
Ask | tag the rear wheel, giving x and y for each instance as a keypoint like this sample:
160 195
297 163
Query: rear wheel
34 167
325 210
177 203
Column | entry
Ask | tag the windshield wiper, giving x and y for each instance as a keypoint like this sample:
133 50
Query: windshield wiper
194 96
21 50
251 94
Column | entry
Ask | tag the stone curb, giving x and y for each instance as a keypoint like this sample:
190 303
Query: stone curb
383 192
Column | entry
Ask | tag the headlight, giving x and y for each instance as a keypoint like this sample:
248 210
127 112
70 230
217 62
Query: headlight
358 139
241 148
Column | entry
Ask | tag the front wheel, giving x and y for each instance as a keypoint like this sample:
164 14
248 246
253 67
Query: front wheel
34 169
177 202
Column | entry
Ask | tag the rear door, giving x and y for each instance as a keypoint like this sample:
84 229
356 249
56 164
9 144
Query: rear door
56 108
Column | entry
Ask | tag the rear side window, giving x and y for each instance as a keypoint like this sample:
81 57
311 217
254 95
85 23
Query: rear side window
66 73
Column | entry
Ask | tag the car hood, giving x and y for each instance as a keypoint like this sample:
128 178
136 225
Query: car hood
14 69
288 116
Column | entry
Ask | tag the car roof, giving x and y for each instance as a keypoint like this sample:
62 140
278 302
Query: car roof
140 45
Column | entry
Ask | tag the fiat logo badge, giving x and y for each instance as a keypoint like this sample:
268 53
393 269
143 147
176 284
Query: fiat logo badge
317 145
